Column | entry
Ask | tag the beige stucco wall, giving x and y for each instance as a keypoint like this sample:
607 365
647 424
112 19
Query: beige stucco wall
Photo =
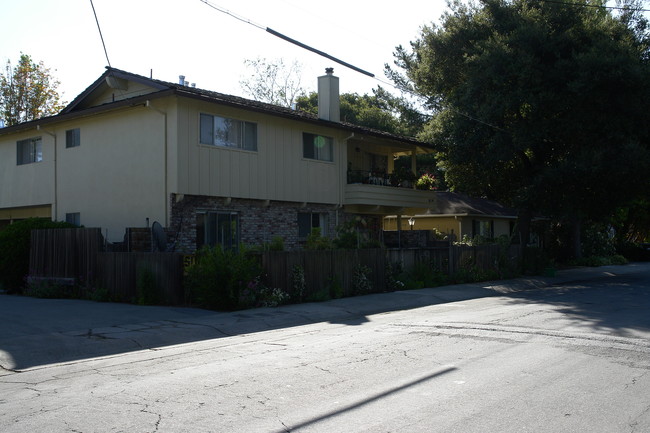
277 171
27 184
114 179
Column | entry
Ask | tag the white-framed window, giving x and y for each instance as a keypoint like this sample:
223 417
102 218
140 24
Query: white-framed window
29 150
317 147
72 138
73 218
311 220
222 131
214 228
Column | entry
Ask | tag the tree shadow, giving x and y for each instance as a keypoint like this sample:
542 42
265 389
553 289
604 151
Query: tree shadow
614 304
37 332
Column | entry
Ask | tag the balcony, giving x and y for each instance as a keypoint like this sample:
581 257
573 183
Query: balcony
379 193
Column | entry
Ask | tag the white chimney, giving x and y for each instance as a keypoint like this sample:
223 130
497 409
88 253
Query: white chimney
329 104
181 80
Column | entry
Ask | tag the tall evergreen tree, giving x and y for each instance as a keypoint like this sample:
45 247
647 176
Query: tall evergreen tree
540 105
28 92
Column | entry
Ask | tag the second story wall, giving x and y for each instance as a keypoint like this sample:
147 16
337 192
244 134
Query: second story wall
275 167
28 182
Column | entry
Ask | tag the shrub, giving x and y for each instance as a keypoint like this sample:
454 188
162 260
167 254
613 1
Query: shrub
317 242
222 279
14 250
361 284
298 283
269 297
147 290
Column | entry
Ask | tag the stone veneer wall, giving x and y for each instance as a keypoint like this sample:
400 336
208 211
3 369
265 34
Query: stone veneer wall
258 221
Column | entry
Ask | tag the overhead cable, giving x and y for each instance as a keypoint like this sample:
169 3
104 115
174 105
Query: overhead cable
286 38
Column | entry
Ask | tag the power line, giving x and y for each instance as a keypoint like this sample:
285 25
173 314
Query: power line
286 38
100 34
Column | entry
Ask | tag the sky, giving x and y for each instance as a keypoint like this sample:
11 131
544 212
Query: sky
165 38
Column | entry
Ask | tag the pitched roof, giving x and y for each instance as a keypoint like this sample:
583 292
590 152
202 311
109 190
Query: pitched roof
232 101
451 203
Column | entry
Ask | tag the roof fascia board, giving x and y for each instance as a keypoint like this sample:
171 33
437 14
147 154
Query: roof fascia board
132 102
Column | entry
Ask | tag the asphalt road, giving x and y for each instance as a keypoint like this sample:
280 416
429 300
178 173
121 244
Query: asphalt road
564 354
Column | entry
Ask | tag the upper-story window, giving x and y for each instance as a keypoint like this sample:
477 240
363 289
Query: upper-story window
221 131
72 138
317 147
29 150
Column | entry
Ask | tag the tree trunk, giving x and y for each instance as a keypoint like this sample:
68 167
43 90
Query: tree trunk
576 240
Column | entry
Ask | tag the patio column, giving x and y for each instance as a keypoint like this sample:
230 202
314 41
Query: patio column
399 231
413 165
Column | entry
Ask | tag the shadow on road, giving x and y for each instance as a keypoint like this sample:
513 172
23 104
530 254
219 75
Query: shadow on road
37 332
364 402
615 304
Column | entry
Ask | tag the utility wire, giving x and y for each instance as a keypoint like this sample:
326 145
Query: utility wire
100 34
286 38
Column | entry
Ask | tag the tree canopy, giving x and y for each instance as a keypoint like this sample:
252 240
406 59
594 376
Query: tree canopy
538 105
28 92
273 81
381 110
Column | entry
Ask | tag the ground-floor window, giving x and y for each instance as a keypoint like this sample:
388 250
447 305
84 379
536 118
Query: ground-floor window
220 228
310 220
483 228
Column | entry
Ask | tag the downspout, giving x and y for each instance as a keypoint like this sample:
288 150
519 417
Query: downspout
55 201
167 204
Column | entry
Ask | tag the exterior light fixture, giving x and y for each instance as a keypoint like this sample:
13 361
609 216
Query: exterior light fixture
411 222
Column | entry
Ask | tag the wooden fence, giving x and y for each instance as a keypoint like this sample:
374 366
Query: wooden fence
325 269
64 254
120 273
77 256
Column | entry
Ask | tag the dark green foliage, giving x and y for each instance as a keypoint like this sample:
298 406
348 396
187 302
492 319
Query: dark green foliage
51 289
381 111
317 242
424 275
633 252
147 290
335 287
537 105
299 284
534 261
14 250
223 279
361 281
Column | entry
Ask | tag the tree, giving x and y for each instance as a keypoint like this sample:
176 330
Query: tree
381 110
538 105
28 92
273 81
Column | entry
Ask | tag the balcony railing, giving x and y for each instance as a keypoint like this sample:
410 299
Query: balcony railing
377 178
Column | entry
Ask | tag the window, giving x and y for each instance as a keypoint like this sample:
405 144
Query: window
214 228
220 131
29 150
317 147
483 228
310 220
73 218
72 138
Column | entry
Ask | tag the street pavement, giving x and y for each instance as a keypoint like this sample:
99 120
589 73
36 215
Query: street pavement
552 354
38 332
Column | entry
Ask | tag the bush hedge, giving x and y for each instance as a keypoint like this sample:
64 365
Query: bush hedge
14 250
